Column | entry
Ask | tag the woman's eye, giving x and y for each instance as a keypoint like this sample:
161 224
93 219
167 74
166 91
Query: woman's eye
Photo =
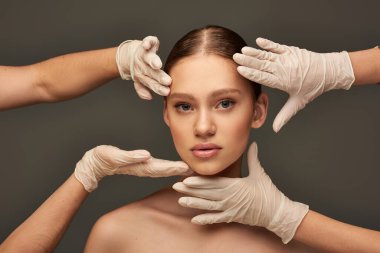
183 107
225 104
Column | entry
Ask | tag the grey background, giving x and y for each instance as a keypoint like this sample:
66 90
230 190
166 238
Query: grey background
327 156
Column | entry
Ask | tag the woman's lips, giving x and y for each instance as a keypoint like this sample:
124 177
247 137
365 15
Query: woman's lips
205 153
205 150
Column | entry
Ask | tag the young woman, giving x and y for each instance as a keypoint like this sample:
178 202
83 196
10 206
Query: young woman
210 112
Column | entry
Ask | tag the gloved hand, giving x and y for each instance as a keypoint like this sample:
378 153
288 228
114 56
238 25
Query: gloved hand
137 60
108 160
303 74
253 200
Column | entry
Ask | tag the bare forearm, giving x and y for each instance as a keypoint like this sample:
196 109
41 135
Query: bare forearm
42 231
18 87
329 235
72 75
366 65
60 78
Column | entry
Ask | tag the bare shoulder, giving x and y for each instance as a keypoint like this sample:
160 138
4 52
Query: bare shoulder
110 232
121 229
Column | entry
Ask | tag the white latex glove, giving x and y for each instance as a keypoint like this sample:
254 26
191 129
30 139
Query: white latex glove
253 200
108 160
303 74
137 60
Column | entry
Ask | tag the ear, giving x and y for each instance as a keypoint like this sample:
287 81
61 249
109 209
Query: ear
260 110
165 113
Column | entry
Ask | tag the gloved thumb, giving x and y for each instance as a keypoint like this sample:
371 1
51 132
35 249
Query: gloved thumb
254 165
292 106
271 46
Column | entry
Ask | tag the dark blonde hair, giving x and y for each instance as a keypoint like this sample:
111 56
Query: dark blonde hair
210 39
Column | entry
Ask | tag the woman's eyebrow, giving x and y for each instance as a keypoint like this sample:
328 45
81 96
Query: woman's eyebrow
225 91
181 96
213 94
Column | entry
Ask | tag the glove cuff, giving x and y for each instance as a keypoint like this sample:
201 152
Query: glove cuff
88 172
341 72
287 220
119 60
87 178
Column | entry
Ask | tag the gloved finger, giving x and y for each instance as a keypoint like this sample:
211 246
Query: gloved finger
157 168
254 165
118 157
154 85
253 62
152 59
160 168
292 106
210 194
142 91
151 43
198 203
207 183
259 54
123 157
260 77
271 46
209 218
159 75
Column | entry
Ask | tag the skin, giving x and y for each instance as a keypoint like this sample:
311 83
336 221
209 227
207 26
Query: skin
57 79
43 230
366 66
206 106
158 223
330 235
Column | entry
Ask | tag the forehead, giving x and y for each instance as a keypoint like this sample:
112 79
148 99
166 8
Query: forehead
200 75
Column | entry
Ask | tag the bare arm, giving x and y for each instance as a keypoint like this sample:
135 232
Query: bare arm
324 233
42 231
56 79
366 65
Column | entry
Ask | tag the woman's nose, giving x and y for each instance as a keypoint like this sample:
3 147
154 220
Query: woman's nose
204 125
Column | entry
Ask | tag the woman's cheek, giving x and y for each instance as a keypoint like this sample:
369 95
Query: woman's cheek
238 132
179 134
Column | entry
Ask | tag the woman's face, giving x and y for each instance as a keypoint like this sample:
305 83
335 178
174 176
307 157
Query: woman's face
210 111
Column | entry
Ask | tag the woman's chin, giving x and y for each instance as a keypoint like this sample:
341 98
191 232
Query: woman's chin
207 170
219 168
